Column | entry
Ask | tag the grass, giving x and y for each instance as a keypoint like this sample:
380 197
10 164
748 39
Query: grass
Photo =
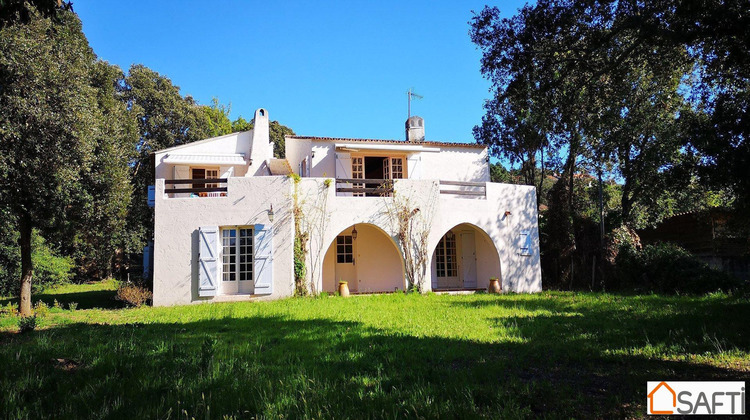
546 355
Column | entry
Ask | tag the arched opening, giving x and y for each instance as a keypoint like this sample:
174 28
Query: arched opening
465 258
368 260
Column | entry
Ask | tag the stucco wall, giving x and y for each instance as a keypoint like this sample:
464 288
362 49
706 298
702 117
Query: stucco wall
231 143
247 203
377 262
456 164
487 255
518 273
449 163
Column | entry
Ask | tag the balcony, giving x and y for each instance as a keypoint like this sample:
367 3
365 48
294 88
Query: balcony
464 189
363 187
203 187
358 187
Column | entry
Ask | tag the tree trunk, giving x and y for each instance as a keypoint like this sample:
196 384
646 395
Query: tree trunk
541 176
27 271
626 203
601 213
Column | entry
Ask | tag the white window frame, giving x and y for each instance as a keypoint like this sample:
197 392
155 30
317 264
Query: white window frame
342 242
358 172
447 247
209 172
236 267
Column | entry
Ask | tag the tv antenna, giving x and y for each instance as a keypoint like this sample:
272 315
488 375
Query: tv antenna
409 96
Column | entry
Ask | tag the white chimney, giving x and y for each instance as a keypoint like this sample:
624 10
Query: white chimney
415 129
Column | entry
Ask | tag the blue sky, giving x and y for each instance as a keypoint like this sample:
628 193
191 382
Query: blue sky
336 69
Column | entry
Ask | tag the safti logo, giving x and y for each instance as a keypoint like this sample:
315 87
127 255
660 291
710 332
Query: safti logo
694 398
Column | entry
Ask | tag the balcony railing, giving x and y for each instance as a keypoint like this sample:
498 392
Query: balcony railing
461 188
206 187
384 187
365 186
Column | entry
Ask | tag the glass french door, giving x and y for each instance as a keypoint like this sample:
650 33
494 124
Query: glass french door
446 263
358 172
237 260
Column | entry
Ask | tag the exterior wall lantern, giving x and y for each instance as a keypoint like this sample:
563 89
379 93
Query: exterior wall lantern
354 232
270 214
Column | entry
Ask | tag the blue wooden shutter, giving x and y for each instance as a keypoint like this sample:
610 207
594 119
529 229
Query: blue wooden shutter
263 260
208 239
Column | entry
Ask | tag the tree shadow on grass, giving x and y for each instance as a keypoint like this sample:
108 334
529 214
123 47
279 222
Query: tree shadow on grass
607 349
274 366
103 299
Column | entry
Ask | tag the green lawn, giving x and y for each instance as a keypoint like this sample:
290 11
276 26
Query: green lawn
545 355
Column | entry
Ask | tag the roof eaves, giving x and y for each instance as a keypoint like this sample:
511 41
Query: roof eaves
389 141
194 143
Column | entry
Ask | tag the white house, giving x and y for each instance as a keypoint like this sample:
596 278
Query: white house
225 216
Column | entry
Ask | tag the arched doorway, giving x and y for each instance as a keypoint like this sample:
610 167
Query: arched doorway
465 258
366 257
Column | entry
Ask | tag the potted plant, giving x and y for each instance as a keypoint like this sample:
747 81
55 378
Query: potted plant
494 286
343 288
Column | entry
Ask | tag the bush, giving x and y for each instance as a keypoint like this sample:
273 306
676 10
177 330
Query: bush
41 309
133 294
667 268
49 267
11 309
26 323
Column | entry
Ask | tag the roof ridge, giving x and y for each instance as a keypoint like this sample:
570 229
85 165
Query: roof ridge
390 141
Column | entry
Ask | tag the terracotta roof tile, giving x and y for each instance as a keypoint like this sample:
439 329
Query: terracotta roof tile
421 143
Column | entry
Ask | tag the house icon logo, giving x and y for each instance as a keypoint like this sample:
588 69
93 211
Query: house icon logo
662 389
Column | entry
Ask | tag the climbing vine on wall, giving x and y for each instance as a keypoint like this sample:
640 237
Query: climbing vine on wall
310 221
412 225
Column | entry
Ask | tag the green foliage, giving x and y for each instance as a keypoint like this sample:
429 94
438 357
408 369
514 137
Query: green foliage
41 309
300 270
98 228
23 11
218 118
277 133
48 122
164 119
10 309
50 268
581 88
241 124
667 268
498 173
26 324
66 145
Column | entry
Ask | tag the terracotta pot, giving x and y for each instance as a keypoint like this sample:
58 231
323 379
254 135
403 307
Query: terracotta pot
344 289
494 286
